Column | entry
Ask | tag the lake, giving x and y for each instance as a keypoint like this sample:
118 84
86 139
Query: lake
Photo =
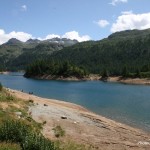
128 104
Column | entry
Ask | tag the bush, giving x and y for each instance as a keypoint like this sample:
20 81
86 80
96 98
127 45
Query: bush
1 87
23 134
37 142
13 131
59 131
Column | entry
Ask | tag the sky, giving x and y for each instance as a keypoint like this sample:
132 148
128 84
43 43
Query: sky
74 19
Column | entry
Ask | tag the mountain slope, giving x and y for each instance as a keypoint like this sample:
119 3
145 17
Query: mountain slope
15 54
127 48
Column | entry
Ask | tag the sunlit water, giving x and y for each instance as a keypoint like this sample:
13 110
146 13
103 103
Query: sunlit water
129 104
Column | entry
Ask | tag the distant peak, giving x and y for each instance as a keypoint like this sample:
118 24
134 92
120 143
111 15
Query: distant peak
33 41
13 41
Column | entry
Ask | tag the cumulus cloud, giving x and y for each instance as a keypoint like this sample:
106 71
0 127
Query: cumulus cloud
24 8
22 36
130 21
115 2
74 35
50 36
102 23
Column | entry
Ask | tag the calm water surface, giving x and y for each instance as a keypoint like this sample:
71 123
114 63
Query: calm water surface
129 104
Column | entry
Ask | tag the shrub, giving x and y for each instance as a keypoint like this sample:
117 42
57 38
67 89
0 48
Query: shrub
59 131
37 142
23 134
1 87
13 131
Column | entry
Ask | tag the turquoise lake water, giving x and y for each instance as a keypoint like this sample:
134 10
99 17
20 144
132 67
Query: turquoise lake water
128 104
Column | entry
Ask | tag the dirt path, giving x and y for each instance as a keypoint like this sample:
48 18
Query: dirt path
84 126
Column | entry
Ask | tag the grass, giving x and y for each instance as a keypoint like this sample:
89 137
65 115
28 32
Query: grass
5 96
71 145
9 146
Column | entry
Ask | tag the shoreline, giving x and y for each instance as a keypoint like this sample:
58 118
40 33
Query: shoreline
82 125
95 77
132 81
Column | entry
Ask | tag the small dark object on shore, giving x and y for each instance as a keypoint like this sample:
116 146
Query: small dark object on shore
31 101
63 117
45 105
30 93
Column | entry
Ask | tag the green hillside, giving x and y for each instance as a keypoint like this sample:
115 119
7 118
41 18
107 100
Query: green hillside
16 55
130 49
127 49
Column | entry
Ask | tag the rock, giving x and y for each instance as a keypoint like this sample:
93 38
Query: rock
18 113
45 105
143 143
63 117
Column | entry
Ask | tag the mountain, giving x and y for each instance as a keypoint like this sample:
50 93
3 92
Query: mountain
15 54
130 34
13 41
130 49
32 41
63 41
127 49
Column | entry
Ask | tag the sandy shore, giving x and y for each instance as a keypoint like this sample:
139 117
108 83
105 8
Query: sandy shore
143 81
84 126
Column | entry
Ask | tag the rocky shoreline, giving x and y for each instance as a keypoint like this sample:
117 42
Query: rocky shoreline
96 77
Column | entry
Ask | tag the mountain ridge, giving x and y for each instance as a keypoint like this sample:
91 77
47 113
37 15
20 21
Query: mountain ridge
125 48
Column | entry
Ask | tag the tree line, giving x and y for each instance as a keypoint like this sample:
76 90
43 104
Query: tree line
55 68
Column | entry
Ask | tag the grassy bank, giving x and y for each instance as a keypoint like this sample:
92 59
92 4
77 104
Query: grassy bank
18 131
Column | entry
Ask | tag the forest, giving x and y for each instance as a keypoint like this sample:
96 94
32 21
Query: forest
56 69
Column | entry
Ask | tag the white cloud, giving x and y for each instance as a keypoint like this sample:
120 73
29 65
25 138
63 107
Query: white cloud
74 35
50 36
102 23
24 8
127 12
130 21
22 36
115 2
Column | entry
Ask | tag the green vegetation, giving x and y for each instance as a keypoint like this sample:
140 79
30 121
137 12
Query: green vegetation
55 69
59 132
9 146
16 55
1 87
23 133
127 48
19 132
6 97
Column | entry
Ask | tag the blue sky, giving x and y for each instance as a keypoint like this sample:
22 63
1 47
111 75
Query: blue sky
78 19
